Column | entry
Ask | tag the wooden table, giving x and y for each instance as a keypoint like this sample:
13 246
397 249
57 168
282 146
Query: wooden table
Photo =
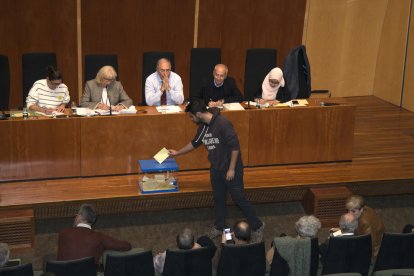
39 148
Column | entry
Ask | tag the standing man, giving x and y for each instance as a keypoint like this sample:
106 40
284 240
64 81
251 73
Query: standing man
164 87
226 170
220 89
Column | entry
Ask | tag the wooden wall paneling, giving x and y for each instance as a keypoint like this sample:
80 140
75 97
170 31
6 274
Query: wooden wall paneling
39 148
38 26
408 89
342 40
389 72
116 27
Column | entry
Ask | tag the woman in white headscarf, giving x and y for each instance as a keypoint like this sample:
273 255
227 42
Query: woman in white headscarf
271 84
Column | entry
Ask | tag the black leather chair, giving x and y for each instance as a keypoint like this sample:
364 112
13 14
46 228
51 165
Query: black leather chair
202 62
95 62
348 254
280 267
81 267
4 82
19 270
259 62
149 64
137 264
396 251
188 262
34 68
242 260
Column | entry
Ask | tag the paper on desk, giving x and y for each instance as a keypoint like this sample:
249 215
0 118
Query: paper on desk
161 155
130 110
54 114
106 112
233 106
168 109
301 102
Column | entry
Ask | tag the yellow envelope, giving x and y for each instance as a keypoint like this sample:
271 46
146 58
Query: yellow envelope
161 155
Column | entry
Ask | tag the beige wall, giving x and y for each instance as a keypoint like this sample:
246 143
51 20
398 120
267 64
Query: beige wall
357 47
408 90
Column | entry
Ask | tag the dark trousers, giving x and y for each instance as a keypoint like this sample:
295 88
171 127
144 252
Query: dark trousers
236 189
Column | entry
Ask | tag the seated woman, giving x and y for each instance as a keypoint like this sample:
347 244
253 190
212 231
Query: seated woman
271 86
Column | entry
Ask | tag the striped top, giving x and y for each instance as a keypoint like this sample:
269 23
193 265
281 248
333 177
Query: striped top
43 96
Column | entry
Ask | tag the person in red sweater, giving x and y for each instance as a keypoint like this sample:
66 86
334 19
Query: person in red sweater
82 241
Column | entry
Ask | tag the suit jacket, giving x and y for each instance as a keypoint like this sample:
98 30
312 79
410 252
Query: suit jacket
231 92
92 94
370 223
80 242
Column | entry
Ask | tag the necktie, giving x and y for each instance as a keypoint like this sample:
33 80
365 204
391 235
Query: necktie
164 98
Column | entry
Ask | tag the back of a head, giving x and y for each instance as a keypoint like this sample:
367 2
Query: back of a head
348 223
355 202
308 226
196 105
185 240
242 231
53 73
4 253
107 72
88 213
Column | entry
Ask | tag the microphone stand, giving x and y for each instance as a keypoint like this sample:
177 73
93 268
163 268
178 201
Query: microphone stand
107 96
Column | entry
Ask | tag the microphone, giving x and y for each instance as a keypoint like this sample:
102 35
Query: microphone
107 96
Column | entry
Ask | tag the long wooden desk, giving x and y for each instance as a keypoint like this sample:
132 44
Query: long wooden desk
41 148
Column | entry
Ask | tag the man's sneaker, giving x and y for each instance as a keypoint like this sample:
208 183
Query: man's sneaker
213 233
257 235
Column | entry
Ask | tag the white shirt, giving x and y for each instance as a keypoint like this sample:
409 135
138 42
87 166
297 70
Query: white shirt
153 90
43 96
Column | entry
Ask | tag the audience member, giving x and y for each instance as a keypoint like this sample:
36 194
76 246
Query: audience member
270 87
50 94
105 91
185 241
82 241
241 233
409 228
220 88
369 222
4 254
163 87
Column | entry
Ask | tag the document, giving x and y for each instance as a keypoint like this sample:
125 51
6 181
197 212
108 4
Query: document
161 155
233 106
168 109
130 110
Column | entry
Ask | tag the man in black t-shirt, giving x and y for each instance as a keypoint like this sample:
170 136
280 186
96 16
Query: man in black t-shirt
226 170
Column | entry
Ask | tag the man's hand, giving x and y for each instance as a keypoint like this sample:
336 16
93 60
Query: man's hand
165 85
102 106
230 175
172 152
118 107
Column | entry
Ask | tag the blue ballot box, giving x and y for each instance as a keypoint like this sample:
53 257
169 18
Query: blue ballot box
156 177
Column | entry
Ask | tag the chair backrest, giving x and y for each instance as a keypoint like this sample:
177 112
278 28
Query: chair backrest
297 73
95 62
149 64
396 251
4 82
259 62
34 68
202 62
188 262
242 260
19 270
348 254
81 267
137 264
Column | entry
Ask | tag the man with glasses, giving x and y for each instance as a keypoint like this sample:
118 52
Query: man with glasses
50 94
220 89
105 91
163 87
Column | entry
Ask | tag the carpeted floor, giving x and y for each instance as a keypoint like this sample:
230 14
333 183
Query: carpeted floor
157 230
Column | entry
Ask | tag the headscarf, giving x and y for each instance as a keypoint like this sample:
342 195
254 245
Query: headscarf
268 92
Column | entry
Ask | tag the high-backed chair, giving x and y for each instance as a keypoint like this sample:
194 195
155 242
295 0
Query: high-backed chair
259 62
242 260
280 266
81 267
4 82
19 270
396 252
149 64
348 254
34 66
135 264
95 62
202 62
188 262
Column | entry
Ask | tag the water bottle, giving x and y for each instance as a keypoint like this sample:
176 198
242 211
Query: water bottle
73 106
25 113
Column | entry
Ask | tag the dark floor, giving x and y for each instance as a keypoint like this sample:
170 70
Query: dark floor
157 230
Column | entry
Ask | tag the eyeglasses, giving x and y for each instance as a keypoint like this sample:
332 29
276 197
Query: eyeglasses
354 210
219 76
109 79
164 70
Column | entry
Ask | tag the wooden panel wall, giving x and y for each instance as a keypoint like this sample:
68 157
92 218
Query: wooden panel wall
128 28
408 90
38 26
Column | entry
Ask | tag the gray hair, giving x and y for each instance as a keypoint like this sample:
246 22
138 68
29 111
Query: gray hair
355 202
106 72
4 253
308 226
347 223
185 240
88 213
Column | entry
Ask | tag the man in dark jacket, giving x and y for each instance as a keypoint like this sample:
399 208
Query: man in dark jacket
219 89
